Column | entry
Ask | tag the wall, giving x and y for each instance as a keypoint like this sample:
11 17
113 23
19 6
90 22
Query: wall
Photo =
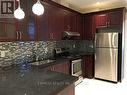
20 52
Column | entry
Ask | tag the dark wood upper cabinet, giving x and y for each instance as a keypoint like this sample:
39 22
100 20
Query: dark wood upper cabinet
19 30
7 29
105 19
89 27
101 20
70 21
73 22
116 18
54 21
26 28
49 26
111 19
79 25
51 23
67 21
43 24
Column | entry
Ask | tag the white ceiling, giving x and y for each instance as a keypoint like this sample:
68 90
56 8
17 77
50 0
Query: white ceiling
89 3
85 6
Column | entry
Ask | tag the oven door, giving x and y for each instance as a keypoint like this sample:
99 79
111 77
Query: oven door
76 67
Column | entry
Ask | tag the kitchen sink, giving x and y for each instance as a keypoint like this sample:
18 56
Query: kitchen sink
42 62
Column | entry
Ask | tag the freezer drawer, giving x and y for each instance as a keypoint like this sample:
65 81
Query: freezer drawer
106 40
106 64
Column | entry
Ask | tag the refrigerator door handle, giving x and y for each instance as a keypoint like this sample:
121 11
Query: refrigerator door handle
116 65
95 42
115 40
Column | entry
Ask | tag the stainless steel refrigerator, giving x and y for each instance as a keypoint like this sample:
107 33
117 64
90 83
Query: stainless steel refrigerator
106 56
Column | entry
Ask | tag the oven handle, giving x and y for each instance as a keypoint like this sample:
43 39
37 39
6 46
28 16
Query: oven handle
75 61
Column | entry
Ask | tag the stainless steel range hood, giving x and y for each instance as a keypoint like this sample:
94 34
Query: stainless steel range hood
68 34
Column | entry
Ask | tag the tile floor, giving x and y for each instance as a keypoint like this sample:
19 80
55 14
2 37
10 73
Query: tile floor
98 87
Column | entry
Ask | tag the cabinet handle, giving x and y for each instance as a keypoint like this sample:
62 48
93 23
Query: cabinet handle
17 35
107 24
52 35
68 27
20 35
51 68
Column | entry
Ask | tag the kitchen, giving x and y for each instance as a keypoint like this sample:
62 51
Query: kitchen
41 42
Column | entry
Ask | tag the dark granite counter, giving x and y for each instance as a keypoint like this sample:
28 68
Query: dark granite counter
60 60
22 80
26 80
57 61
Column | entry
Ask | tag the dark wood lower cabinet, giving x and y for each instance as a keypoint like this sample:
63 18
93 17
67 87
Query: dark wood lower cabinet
60 67
63 68
88 66
70 90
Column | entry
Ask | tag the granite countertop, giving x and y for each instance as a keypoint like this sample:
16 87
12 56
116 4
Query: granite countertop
60 60
16 80
57 61
26 81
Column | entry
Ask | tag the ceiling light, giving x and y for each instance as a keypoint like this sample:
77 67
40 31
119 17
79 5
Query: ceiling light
98 3
38 8
19 13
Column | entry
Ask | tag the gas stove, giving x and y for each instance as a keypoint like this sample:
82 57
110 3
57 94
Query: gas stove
64 53
75 60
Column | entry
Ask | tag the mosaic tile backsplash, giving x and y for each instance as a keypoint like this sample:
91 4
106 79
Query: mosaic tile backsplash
20 52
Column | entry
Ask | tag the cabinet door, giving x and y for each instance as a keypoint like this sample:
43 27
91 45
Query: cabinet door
62 68
7 29
115 18
60 25
26 28
43 23
56 23
67 21
89 27
101 20
13 29
73 24
70 90
88 66
79 25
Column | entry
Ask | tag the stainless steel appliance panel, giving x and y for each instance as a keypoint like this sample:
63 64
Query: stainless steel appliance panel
106 64
76 67
107 40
